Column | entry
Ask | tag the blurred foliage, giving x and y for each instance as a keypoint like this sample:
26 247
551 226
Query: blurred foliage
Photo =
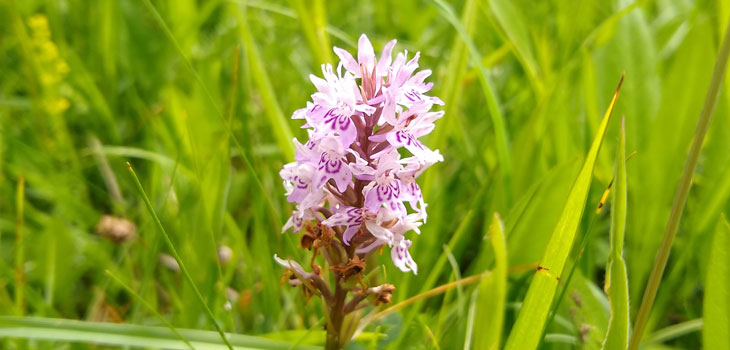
87 85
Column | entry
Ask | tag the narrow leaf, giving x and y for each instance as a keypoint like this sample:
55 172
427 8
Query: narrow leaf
175 254
279 124
128 335
617 286
716 313
492 292
527 330
680 196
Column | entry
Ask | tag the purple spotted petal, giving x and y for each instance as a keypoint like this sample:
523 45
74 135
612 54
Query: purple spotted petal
402 258
380 194
339 121
336 169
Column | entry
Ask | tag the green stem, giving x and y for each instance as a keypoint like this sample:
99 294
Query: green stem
19 249
174 253
680 197
336 317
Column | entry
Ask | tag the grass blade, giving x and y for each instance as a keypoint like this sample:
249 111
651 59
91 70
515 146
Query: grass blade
493 104
313 23
510 19
617 286
492 292
174 253
716 308
678 330
280 127
19 248
680 198
127 335
150 308
528 329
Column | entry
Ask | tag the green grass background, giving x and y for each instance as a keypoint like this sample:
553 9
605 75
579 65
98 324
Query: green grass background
202 113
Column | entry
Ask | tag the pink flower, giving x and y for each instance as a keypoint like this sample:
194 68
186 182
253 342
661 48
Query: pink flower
349 175
366 58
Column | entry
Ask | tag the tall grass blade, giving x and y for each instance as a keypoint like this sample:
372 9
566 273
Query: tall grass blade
19 248
128 335
281 128
150 308
313 23
530 323
680 197
513 24
492 292
279 125
716 306
617 286
677 330
174 253
493 104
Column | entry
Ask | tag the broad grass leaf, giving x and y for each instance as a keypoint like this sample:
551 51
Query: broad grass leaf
617 284
716 308
279 124
128 335
530 323
588 310
512 22
492 292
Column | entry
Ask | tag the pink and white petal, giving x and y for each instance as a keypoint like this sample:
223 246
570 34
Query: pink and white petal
348 133
402 258
297 194
385 59
397 207
321 84
389 107
350 232
319 179
371 197
364 250
379 232
348 61
365 53
418 78
343 178
361 170
314 199
294 223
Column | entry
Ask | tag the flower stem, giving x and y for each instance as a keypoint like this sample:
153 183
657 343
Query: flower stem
680 197
336 316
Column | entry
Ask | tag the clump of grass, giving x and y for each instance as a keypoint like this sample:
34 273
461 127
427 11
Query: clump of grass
196 95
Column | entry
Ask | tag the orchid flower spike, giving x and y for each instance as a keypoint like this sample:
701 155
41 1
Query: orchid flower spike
364 154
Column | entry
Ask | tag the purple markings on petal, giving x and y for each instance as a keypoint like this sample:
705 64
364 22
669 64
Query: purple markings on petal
299 183
413 96
333 166
333 160
354 215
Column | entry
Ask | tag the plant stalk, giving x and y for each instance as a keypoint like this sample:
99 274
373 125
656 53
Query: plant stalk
680 197
336 317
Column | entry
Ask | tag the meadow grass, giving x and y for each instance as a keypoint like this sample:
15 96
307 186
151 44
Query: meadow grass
196 96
